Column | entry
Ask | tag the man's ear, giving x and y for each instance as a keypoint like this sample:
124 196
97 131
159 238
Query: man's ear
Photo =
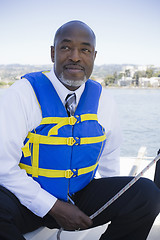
95 54
52 53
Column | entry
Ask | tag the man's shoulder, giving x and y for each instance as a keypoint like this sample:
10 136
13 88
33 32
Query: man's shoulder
19 85
33 74
92 84
19 91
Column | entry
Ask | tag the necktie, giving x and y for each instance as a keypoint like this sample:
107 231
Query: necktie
70 104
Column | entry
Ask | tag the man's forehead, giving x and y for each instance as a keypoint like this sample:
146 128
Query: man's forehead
75 32
73 39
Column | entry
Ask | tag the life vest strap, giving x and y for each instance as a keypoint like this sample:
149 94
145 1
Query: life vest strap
37 139
62 121
56 120
65 121
91 140
51 173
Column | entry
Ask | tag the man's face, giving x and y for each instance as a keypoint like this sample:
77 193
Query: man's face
73 55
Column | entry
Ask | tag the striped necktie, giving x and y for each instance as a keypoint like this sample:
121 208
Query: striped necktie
70 104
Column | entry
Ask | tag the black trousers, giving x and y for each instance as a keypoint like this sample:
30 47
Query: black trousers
157 173
131 216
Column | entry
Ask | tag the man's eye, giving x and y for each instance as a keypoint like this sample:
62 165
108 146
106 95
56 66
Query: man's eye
65 47
86 50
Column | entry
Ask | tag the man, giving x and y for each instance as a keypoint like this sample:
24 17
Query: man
52 182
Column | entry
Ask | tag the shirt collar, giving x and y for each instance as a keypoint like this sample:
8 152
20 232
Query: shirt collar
61 89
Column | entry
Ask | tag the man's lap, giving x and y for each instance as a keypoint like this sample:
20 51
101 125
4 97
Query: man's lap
89 200
99 191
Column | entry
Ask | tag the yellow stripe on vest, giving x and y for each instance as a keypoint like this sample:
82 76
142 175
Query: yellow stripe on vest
52 120
65 121
50 173
91 140
89 116
62 121
83 117
87 169
37 139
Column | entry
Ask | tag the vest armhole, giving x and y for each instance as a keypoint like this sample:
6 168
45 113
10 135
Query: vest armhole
37 100
34 93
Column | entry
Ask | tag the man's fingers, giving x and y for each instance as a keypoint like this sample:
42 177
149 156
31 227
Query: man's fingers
86 222
70 217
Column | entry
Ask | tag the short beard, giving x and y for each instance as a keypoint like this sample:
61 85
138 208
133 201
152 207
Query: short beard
72 83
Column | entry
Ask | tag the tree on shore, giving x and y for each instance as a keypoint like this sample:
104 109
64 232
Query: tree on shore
109 80
149 73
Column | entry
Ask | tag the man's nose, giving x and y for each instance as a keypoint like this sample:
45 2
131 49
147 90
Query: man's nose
75 55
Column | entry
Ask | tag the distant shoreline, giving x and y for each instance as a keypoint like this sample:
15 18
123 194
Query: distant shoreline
131 87
109 87
4 87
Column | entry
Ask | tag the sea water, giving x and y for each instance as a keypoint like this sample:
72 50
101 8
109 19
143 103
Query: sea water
139 112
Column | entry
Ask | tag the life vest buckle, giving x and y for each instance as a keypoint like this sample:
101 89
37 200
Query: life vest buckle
72 120
78 118
70 141
68 173
77 141
75 172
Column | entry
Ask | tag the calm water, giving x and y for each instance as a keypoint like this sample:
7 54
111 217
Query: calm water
139 111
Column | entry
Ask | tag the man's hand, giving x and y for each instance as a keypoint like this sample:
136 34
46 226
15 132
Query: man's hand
69 217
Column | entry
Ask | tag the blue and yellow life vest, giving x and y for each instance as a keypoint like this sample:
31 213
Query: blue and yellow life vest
62 153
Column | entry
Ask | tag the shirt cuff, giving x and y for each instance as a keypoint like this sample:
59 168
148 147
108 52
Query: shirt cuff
43 203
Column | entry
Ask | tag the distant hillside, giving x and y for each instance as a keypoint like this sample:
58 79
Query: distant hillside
13 72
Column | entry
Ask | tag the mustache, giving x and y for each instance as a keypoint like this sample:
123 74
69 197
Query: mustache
74 65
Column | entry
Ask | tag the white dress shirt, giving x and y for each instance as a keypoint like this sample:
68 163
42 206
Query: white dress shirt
19 114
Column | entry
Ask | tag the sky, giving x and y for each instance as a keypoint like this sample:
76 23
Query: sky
127 31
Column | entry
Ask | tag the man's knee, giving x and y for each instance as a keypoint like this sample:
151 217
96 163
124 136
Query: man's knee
148 188
149 193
